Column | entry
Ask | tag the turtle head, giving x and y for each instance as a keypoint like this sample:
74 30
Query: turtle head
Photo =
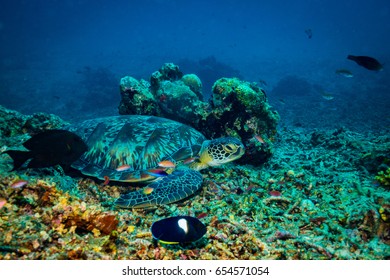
219 151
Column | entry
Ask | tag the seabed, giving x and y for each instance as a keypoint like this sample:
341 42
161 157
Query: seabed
316 198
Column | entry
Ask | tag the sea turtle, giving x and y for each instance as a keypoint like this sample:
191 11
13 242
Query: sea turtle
130 148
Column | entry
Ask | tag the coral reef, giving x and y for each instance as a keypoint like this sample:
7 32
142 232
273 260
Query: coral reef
238 108
169 94
137 98
311 200
42 222
13 123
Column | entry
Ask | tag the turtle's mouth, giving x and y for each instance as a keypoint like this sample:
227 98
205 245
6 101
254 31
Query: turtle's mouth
240 152
237 154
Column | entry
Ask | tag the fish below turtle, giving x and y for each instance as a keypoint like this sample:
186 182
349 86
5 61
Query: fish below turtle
178 230
130 148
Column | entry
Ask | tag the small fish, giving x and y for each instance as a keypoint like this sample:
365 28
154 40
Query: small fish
318 220
18 184
275 193
123 167
157 172
262 82
327 96
190 160
106 180
309 33
166 163
282 101
147 190
2 202
367 62
201 215
250 187
344 72
259 138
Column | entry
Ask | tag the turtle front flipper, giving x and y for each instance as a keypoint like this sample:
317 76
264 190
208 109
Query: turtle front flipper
177 186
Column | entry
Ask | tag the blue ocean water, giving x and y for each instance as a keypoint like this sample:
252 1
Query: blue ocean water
66 57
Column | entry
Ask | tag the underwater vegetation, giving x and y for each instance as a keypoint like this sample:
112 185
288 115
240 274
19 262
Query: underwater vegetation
317 197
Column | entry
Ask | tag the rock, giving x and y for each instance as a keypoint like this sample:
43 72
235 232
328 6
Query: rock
137 98
194 83
168 72
13 123
238 108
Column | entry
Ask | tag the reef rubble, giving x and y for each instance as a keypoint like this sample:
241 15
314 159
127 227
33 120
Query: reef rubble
317 197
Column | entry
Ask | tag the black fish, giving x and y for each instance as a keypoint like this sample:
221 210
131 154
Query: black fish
179 229
49 148
309 33
367 62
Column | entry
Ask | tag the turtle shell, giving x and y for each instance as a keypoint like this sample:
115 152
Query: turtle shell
139 142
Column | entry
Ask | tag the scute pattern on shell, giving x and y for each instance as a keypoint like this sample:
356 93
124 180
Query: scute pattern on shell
138 141
180 184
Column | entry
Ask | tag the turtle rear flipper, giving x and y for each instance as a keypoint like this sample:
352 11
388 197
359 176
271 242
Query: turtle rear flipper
174 187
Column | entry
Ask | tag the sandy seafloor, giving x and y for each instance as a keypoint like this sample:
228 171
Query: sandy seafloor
331 206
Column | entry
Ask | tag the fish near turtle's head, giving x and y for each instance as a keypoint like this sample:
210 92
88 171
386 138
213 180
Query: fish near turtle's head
219 151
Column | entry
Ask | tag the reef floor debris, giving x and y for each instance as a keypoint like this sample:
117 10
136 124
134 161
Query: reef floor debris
316 198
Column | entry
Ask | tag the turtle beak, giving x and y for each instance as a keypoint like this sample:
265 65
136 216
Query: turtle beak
240 151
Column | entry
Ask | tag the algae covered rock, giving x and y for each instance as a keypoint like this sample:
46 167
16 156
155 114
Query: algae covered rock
178 100
179 97
194 83
169 94
238 108
13 123
136 97
168 72
39 122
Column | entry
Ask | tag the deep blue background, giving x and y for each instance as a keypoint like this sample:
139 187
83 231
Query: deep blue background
67 57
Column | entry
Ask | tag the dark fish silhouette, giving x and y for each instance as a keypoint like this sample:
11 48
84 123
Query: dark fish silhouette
177 230
49 148
309 33
367 62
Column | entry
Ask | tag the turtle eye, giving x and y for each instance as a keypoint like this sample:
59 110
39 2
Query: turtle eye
230 148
